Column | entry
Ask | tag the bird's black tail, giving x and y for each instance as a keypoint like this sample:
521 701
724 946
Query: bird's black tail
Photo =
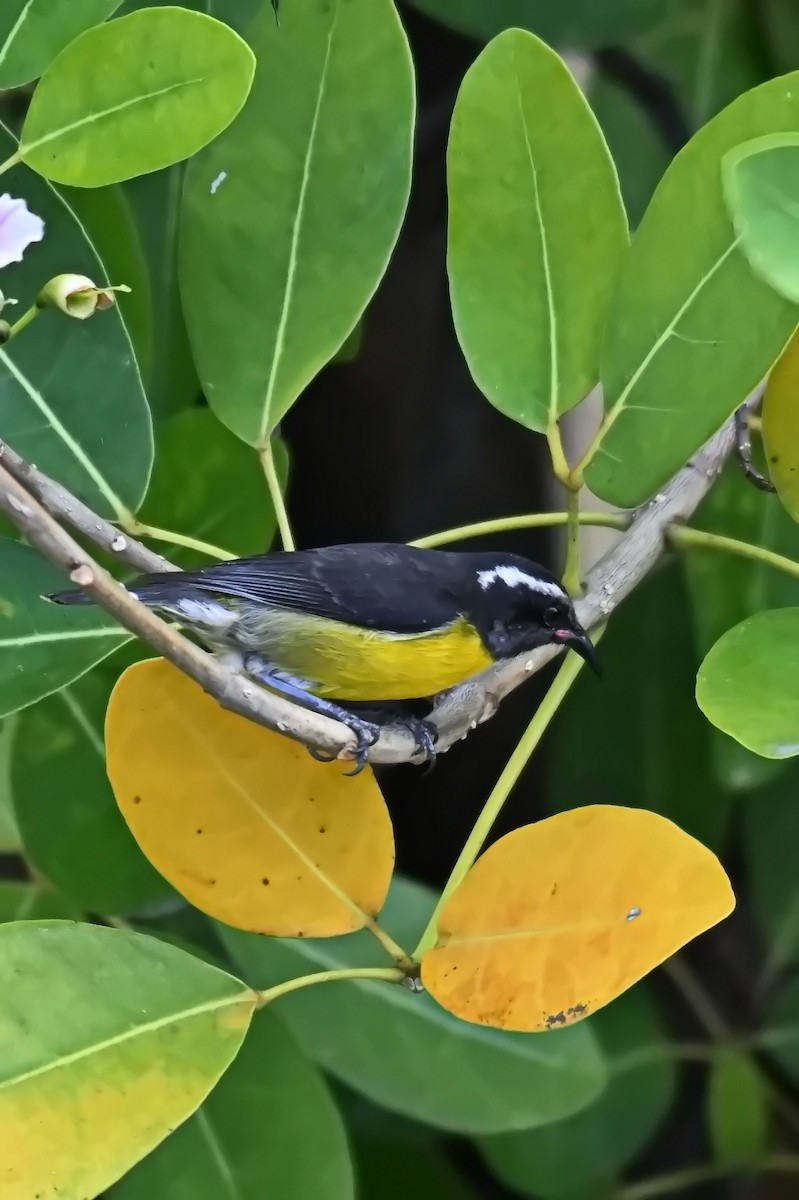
73 596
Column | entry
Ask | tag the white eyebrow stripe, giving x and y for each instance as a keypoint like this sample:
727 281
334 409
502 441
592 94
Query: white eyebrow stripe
515 577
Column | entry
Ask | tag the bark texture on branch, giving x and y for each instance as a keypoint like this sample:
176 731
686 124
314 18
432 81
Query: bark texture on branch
36 504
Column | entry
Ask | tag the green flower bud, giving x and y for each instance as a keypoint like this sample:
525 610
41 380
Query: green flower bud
77 295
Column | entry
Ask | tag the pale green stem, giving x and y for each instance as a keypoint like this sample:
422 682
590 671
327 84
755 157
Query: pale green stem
560 465
502 789
572 579
387 974
677 1181
392 948
267 457
527 521
10 162
24 321
681 536
137 528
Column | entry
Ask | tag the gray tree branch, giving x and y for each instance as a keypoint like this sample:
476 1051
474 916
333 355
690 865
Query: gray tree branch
32 502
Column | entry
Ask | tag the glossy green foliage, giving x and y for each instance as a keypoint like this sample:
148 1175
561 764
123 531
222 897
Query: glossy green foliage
168 70
71 828
430 1066
289 218
530 276
43 646
691 330
610 1132
33 31
748 685
761 182
269 1128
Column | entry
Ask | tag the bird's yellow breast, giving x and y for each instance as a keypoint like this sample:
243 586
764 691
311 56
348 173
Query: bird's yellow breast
350 663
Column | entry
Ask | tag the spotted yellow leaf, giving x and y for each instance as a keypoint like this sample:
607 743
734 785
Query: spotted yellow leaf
242 821
558 918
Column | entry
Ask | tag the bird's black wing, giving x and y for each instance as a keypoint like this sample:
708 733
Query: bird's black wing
377 585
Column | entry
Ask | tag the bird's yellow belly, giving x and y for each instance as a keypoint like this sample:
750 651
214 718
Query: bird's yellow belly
346 663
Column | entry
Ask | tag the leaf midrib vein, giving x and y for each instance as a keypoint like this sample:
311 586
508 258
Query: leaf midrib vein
128 1035
545 263
92 118
291 269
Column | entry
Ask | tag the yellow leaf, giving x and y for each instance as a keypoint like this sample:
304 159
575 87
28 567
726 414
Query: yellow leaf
557 919
781 426
242 821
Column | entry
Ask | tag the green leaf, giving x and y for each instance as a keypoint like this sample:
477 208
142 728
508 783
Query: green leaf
396 1170
72 831
290 217
70 391
172 80
43 646
9 833
33 31
780 1036
637 150
610 1132
737 1110
779 20
691 329
708 52
627 727
726 588
34 902
172 382
530 276
143 1033
581 22
208 485
748 685
107 217
238 14
270 1128
406 1053
771 823
761 188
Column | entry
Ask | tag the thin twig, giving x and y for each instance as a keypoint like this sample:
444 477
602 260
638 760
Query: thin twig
233 691
456 712
67 508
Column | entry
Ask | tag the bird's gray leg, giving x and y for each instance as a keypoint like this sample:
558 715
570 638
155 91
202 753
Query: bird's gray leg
270 676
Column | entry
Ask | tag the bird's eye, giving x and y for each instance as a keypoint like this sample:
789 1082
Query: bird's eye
552 616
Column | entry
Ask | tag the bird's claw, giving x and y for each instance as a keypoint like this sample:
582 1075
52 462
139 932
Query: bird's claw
425 735
366 734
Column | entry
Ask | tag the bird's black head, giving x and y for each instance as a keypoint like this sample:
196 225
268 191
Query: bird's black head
518 606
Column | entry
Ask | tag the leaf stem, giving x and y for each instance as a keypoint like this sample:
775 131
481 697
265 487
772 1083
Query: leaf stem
677 1181
388 974
501 790
572 579
267 456
137 528
527 521
392 948
10 162
560 464
681 536
24 321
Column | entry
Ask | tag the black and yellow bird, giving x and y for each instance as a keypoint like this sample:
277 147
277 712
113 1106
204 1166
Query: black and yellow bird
374 626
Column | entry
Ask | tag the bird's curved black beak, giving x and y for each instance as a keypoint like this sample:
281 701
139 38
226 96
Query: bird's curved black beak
581 644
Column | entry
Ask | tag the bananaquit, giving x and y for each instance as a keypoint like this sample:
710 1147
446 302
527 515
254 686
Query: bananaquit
367 625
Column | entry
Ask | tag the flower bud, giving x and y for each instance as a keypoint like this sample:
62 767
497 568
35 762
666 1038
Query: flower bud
77 295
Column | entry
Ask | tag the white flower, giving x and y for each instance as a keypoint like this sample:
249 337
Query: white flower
18 228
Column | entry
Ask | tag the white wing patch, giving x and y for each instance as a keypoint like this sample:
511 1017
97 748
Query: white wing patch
208 613
515 577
